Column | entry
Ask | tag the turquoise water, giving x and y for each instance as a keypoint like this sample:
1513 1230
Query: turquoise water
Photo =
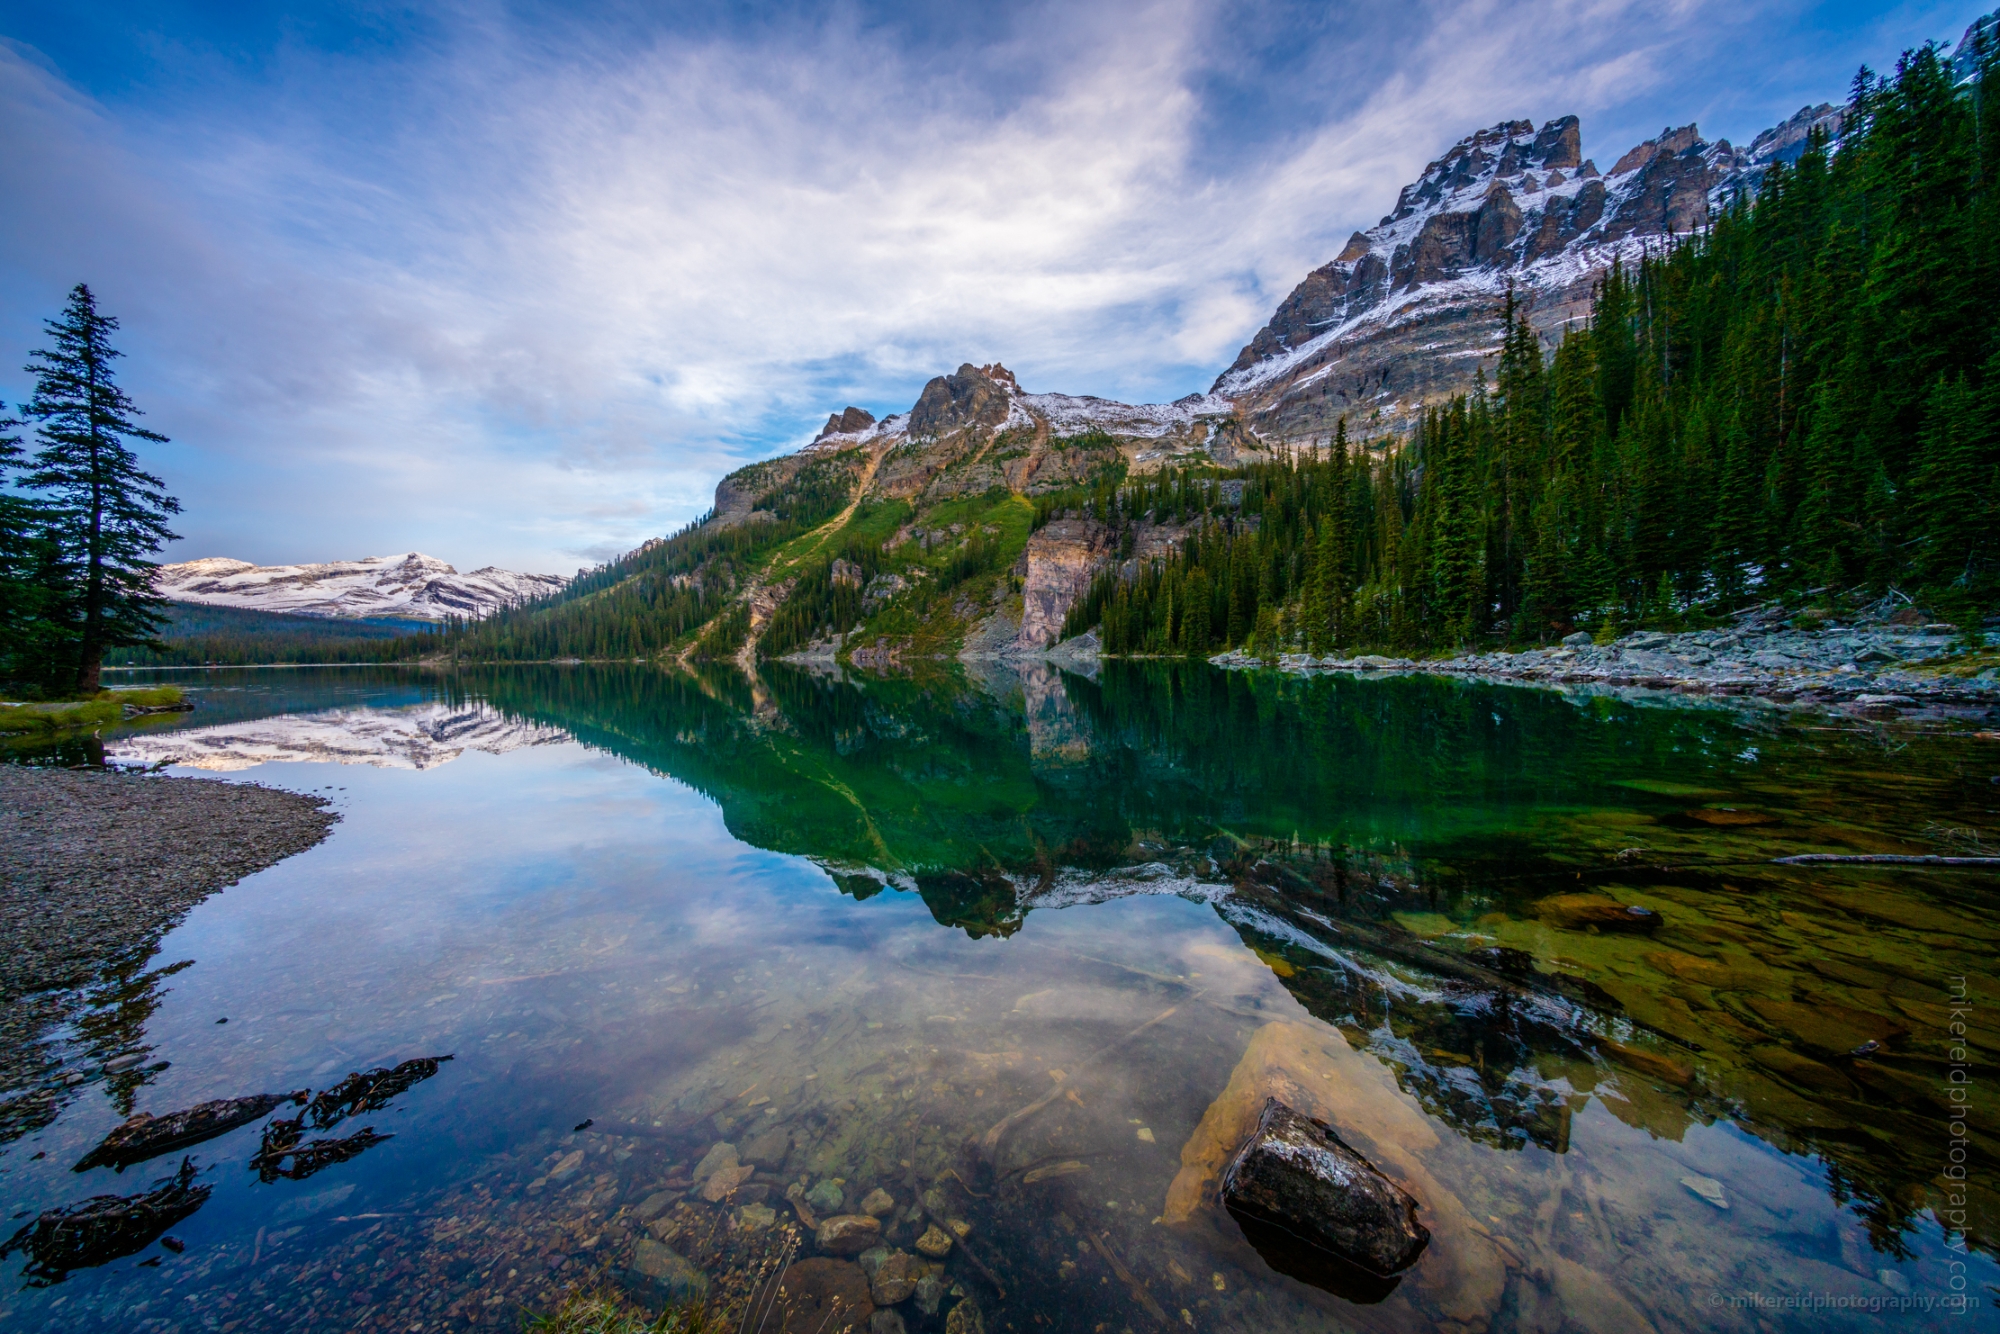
850 928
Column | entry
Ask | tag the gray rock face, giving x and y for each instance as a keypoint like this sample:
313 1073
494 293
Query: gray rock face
847 423
975 396
1296 1174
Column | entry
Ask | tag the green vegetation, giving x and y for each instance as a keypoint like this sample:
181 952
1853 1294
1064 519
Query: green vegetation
657 597
76 578
1803 399
43 722
950 563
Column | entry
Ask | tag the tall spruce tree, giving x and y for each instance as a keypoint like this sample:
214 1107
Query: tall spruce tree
108 515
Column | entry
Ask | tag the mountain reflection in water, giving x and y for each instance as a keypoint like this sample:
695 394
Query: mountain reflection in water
1441 874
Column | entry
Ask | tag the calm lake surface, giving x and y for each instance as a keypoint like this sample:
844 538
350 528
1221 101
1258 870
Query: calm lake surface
1016 948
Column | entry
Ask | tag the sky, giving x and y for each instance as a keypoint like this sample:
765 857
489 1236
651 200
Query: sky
517 284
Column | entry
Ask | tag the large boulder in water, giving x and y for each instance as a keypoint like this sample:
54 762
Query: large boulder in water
1296 1175
1311 1068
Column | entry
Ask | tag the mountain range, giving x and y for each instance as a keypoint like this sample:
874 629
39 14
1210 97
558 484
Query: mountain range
973 521
411 586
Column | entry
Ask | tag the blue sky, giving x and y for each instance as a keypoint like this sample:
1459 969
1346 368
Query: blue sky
515 285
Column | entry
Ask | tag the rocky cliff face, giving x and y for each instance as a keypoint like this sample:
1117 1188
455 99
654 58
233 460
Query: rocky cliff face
1061 559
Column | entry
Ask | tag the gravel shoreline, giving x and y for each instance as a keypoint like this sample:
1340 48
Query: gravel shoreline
95 867
1875 671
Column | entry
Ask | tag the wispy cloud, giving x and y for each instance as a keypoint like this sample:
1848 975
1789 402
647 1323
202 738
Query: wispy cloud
520 294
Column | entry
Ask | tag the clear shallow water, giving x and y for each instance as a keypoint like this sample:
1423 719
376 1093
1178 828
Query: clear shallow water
849 927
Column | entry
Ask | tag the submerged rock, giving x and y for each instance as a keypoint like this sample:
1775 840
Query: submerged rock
965 1319
1312 1069
1708 1188
1577 911
1296 1174
894 1277
663 1275
145 1136
935 1242
878 1203
826 1196
930 1292
848 1234
719 1157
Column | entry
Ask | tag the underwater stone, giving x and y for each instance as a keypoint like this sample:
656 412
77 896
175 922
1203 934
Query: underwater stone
1708 1188
665 1276
656 1204
754 1216
935 1242
848 1234
566 1167
1577 911
1296 1174
886 1322
722 1183
895 1278
878 1203
719 1157
826 1197
769 1149
930 1291
965 1319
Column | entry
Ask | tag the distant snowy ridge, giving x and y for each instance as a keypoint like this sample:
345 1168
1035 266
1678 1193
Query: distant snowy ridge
411 586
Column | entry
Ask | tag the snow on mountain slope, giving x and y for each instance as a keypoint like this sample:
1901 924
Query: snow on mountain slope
413 586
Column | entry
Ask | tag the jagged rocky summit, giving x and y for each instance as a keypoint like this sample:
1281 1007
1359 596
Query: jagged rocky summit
411 586
1409 311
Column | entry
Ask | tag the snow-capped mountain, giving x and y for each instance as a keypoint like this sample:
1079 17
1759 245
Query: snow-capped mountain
412 586
1409 309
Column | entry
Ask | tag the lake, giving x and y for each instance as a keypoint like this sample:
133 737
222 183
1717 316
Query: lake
1001 958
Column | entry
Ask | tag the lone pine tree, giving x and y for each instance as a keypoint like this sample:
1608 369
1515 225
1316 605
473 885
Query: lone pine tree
107 514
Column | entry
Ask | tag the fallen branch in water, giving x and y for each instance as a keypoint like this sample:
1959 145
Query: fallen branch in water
1879 859
964 1250
1129 1279
989 1143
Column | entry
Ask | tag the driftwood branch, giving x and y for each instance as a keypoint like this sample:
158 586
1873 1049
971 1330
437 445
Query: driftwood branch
1879 859
971 1257
989 1143
1129 1279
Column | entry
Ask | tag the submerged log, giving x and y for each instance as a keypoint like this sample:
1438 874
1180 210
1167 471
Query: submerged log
146 1136
104 1228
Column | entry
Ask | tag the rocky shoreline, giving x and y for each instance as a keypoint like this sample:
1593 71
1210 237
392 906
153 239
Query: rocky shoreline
95 867
1878 670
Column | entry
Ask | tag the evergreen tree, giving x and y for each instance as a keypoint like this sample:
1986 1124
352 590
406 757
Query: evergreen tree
108 515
